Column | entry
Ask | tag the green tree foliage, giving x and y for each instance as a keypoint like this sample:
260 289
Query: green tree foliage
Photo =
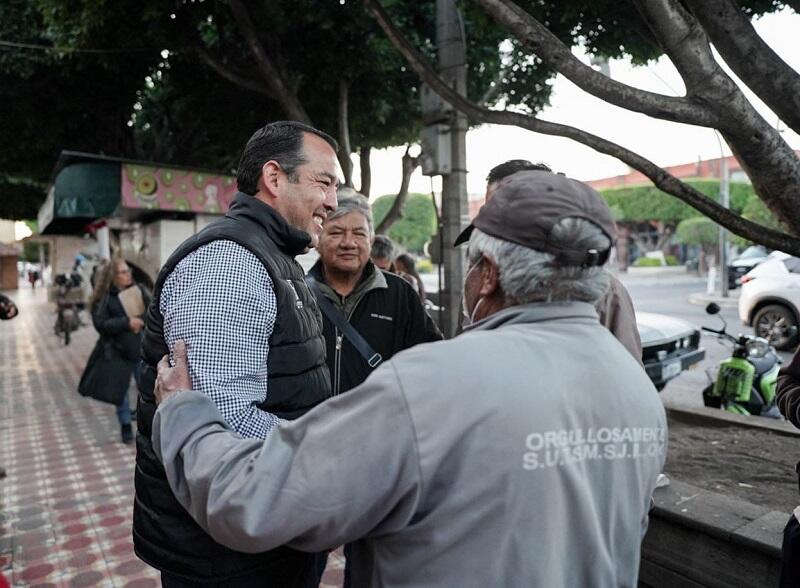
646 203
53 97
20 198
416 227
173 122
636 204
99 80
698 230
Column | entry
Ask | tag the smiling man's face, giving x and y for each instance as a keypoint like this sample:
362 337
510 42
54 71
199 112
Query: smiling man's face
313 193
345 244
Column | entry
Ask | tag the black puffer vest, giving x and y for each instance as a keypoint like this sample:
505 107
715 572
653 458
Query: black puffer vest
164 534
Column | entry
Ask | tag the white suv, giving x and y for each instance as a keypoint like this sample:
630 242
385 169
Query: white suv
770 299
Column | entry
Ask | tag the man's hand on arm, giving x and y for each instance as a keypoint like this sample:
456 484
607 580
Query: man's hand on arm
304 486
173 379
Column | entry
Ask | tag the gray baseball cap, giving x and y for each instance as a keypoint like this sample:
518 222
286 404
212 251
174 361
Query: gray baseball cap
528 204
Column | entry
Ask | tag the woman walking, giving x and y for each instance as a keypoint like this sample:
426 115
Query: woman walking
117 305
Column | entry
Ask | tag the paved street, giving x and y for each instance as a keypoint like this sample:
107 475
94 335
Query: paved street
65 507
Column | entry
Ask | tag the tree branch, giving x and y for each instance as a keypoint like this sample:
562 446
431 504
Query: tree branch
272 78
772 165
396 211
683 40
662 180
233 77
756 64
558 57
344 132
366 170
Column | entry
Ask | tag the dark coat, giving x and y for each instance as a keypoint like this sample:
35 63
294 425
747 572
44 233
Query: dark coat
788 390
385 310
116 353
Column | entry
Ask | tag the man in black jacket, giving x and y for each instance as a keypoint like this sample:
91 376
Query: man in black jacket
381 306
235 294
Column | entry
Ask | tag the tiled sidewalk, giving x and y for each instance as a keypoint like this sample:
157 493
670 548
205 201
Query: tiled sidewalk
66 503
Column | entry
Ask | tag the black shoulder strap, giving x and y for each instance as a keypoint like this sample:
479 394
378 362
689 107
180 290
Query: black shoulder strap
337 318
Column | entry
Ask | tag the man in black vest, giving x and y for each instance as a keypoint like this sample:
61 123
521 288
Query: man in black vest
236 295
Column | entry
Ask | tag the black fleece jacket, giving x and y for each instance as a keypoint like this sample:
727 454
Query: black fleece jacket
385 310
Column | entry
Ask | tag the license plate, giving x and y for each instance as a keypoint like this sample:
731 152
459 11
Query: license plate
670 370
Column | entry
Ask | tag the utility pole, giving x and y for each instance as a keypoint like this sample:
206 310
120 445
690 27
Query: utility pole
455 207
724 199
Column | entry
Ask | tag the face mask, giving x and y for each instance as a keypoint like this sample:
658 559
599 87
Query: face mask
469 318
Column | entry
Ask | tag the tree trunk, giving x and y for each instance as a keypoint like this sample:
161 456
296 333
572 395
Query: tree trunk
773 166
753 61
344 133
366 170
278 87
664 235
623 253
396 211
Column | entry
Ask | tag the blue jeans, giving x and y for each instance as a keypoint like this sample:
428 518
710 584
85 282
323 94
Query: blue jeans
124 410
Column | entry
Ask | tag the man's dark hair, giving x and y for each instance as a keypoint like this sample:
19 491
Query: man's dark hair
513 166
382 248
280 141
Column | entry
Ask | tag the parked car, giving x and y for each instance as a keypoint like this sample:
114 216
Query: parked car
770 300
669 346
743 263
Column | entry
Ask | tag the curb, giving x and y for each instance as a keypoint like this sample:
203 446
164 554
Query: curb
714 417
700 538
701 299
658 270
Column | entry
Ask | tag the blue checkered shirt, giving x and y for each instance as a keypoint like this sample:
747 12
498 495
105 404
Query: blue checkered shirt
220 300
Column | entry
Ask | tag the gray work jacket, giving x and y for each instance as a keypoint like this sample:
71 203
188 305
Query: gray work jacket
522 453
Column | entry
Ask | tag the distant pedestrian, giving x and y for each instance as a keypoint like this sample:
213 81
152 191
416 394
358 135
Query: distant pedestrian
383 252
117 307
407 269
33 277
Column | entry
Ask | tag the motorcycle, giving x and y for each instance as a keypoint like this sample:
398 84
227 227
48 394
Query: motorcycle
745 382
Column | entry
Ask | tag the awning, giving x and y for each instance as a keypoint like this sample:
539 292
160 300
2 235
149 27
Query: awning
83 190
89 187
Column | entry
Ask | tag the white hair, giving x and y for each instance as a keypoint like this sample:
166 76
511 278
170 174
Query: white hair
352 201
527 275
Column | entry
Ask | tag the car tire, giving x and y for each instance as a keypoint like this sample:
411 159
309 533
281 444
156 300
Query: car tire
772 322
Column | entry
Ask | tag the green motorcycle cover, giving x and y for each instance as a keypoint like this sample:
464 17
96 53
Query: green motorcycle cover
734 380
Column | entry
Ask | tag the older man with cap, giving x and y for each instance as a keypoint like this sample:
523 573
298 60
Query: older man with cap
522 453
615 307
